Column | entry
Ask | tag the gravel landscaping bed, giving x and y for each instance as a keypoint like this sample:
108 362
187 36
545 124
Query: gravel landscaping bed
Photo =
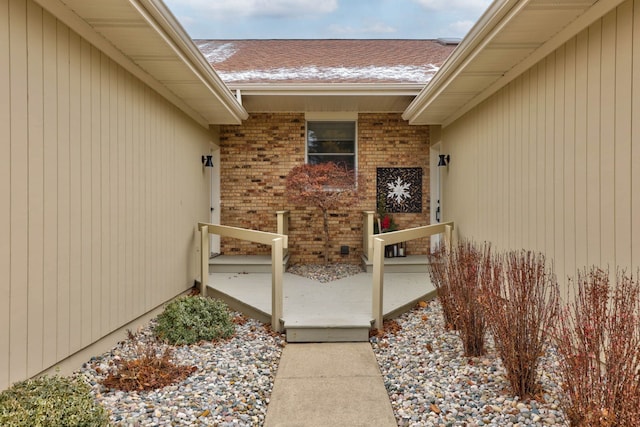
231 386
431 383
325 272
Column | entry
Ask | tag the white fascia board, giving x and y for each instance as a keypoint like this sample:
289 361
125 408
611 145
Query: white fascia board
328 89
338 116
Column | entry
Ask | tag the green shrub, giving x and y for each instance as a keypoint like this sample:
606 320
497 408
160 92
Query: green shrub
190 319
51 401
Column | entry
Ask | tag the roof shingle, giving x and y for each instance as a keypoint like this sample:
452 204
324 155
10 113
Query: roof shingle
325 61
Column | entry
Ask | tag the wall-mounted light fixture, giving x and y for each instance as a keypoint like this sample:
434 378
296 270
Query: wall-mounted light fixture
444 159
207 161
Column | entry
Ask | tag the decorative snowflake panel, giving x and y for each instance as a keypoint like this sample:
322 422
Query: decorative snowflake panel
401 189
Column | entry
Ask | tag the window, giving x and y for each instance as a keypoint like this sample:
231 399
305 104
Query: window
332 141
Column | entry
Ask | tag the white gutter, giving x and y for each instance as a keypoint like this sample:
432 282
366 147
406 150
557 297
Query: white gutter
328 89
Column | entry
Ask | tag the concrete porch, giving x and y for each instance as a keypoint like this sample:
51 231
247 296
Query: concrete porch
321 312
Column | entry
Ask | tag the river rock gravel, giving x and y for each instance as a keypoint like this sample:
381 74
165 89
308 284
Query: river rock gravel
230 388
325 273
431 383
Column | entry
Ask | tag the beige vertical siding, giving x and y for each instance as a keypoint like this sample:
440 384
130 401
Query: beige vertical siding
100 189
551 161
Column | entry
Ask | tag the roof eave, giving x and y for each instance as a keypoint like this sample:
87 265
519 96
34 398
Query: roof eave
159 20
429 108
189 52
469 46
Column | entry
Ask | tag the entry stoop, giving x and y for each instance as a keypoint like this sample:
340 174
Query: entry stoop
243 263
353 329
406 264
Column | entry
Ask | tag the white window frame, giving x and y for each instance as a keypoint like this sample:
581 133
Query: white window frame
332 117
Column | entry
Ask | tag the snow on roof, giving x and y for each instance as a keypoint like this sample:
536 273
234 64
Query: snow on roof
400 73
325 61
216 52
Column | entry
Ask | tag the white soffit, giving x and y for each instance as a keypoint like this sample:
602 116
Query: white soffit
145 38
508 39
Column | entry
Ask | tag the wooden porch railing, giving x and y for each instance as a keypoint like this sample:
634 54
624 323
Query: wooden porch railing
379 241
368 219
278 243
282 226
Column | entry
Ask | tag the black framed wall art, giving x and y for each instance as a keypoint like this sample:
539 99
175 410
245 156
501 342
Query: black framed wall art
400 188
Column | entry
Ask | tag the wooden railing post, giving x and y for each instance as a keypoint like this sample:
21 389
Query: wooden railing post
282 226
278 242
378 282
204 259
447 237
377 245
276 283
368 218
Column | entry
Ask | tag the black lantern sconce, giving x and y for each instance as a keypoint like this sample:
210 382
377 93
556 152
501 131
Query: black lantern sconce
207 161
445 159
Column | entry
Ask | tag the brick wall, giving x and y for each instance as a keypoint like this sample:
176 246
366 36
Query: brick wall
257 155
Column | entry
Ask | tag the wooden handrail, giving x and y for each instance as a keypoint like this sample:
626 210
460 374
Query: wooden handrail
278 243
412 233
379 241
255 236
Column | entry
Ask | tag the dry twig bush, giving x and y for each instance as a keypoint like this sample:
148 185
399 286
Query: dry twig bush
438 261
520 298
464 269
150 369
598 340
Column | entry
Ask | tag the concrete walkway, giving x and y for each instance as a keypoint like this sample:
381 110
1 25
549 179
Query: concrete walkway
329 384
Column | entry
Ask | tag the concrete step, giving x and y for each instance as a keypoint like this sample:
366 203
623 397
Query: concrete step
406 264
353 329
243 263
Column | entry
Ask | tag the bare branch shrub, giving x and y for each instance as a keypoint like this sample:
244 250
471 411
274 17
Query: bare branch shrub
521 302
464 270
438 261
150 369
598 340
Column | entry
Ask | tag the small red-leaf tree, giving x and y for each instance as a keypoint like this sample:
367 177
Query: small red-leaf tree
327 186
